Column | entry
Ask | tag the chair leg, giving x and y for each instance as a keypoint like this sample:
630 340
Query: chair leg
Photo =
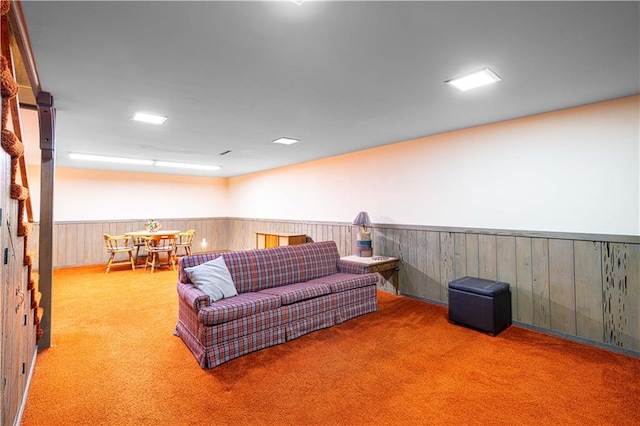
133 262
173 264
109 262
147 260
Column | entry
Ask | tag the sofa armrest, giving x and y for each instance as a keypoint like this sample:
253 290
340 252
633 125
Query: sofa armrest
194 297
347 267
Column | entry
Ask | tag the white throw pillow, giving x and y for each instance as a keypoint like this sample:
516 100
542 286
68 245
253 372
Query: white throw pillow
213 278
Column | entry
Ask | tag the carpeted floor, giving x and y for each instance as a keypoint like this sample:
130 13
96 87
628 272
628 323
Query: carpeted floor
114 361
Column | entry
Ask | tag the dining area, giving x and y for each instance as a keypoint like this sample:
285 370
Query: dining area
152 247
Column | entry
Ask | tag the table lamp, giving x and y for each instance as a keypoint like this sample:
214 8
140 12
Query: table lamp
364 246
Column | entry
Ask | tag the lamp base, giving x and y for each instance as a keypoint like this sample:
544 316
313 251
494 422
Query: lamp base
364 246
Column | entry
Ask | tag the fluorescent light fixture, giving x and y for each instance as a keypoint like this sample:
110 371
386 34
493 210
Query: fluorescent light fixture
139 161
186 165
473 80
149 118
107 159
298 2
286 141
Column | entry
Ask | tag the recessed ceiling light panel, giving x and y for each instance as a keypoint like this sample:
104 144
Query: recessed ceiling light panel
473 80
298 2
149 118
286 141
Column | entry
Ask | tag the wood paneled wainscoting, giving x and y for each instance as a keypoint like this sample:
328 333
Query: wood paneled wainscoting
82 243
580 286
584 288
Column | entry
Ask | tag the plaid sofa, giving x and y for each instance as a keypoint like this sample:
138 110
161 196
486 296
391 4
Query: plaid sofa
283 293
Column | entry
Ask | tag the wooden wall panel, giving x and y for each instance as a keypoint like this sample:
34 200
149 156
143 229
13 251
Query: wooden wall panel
413 271
447 260
460 255
389 246
621 294
562 286
5 185
82 237
391 243
524 281
34 243
60 245
433 265
540 282
419 256
632 312
349 235
383 242
487 263
97 251
471 245
589 306
17 329
506 267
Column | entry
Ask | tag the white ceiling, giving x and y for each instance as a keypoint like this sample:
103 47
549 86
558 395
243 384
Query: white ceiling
341 76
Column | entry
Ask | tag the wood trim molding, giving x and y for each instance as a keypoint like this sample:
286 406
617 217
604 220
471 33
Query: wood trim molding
21 35
609 238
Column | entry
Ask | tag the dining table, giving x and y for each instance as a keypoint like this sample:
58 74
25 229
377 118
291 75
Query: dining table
139 236
144 233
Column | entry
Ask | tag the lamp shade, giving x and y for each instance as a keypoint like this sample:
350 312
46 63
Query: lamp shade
362 219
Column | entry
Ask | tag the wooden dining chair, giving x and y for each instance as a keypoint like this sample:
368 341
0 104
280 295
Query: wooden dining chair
138 244
185 241
118 244
156 245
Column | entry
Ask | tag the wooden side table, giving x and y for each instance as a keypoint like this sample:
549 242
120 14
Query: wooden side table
385 266
275 239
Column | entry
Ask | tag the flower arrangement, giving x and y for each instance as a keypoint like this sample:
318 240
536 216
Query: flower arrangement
152 225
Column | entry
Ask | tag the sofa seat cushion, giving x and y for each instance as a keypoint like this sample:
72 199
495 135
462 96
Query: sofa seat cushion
243 305
293 293
342 282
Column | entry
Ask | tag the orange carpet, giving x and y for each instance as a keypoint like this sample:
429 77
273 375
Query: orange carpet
114 361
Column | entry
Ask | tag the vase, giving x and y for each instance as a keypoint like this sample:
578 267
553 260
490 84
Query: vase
364 246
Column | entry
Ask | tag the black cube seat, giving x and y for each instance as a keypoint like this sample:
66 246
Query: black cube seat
481 304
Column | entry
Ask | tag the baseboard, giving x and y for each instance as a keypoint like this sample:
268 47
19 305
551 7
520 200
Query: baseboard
599 345
559 334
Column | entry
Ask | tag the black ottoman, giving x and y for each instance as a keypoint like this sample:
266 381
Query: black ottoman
481 304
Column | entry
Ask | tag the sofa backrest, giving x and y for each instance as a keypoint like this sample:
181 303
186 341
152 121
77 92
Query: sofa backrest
255 270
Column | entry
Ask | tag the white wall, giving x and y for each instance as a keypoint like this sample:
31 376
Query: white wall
82 194
575 170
